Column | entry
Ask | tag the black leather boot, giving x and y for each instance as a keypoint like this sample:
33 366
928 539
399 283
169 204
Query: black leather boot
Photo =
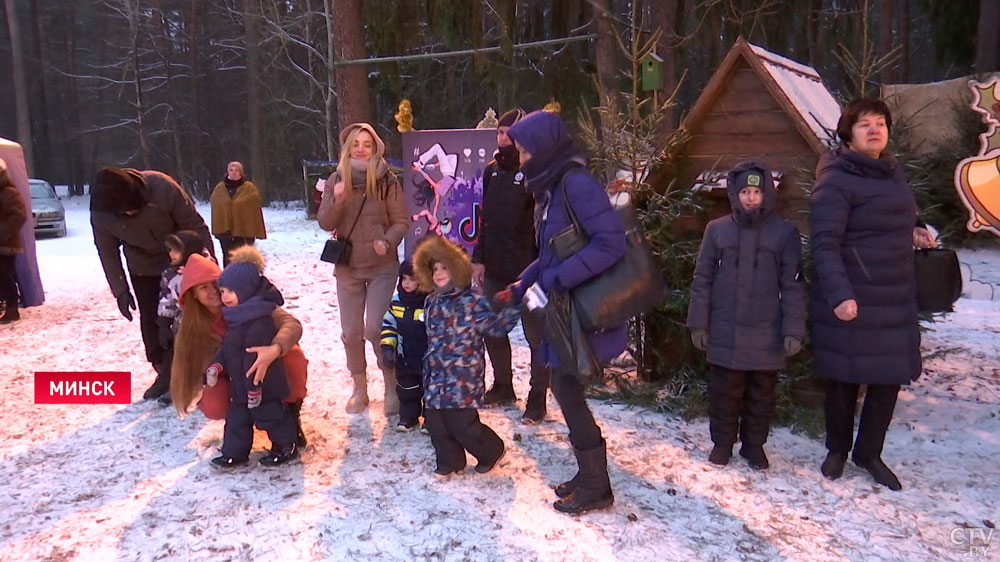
160 386
833 465
880 472
500 394
11 314
534 410
594 489
754 454
720 454
568 487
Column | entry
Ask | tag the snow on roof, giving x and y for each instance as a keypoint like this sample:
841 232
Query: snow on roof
806 92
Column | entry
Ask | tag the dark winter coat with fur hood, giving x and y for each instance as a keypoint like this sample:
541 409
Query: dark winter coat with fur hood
862 217
457 319
162 208
748 292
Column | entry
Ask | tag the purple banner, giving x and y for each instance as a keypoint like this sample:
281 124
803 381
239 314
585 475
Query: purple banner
443 183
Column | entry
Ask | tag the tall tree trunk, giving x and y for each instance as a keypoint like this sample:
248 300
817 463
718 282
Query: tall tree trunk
904 41
192 24
885 39
664 15
74 140
258 159
607 47
46 168
20 87
136 71
353 103
330 95
987 41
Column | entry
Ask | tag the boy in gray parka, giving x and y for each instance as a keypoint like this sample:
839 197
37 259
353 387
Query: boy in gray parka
748 311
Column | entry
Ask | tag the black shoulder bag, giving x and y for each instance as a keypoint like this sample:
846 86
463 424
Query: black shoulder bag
338 250
632 286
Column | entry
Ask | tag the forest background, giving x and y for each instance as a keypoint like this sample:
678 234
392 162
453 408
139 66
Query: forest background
186 86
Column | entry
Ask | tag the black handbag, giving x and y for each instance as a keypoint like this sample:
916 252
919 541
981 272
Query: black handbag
632 286
337 250
939 279
567 336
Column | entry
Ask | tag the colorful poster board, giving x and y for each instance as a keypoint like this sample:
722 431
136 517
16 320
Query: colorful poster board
443 183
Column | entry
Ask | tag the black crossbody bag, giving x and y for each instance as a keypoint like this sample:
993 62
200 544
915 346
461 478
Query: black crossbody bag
338 250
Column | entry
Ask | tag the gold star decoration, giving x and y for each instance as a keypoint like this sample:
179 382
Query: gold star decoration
985 101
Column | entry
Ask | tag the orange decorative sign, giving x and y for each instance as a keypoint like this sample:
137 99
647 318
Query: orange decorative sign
977 179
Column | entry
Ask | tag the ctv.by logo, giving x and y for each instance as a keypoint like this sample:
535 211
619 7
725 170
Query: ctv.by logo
974 541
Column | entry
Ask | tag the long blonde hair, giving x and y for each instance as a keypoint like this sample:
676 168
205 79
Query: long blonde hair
194 348
344 166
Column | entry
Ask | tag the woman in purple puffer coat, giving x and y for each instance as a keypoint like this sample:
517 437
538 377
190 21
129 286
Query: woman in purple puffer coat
556 172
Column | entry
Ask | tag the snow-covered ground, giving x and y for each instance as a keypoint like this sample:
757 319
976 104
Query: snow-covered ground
133 482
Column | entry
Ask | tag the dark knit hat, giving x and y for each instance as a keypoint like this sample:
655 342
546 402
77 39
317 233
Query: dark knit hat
116 190
510 117
241 278
187 242
752 177
406 268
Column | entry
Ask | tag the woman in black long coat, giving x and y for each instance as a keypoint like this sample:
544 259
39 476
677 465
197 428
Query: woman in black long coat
864 305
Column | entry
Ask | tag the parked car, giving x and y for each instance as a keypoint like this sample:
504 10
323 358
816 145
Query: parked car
46 209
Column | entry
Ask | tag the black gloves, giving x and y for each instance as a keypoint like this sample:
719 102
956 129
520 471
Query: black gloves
388 357
126 304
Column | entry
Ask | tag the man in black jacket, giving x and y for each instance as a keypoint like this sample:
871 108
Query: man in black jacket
135 211
506 246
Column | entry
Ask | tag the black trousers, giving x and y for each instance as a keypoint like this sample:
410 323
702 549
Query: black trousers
457 430
230 243
499 347
410 391
876 413
740 403
8 281
147 296
584 432
271 416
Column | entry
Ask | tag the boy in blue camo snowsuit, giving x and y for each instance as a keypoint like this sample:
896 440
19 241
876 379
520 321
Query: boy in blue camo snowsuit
457 318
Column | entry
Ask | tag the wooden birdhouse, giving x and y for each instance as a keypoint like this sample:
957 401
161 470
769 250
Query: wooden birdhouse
652 71
762 106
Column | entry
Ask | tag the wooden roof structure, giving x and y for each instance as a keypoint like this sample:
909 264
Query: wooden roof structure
763 106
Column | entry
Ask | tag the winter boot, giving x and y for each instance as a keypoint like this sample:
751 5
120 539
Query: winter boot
594 490
160 386
499 395
880 472
833 465
10 315
359 397
534 410
720 454
391 407
277 457
754 454
295 408
225 463
568 487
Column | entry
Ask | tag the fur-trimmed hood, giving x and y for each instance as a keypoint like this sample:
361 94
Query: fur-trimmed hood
436 249
248 254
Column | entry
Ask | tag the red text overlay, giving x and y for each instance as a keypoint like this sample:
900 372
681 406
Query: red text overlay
83 387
